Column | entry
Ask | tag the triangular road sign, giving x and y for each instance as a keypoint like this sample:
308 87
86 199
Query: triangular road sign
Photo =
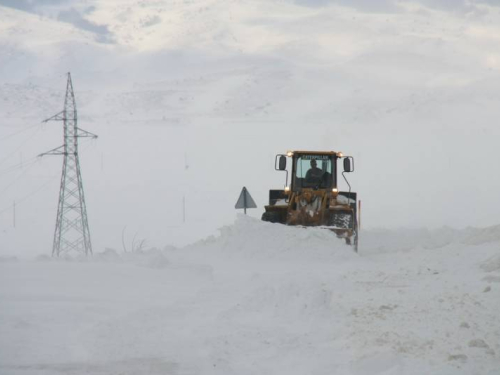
245 200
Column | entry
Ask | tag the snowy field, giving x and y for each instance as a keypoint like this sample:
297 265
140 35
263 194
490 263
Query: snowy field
260 298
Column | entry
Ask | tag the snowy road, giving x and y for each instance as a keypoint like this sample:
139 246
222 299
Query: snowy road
261 299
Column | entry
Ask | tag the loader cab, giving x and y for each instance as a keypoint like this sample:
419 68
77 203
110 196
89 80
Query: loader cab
314 171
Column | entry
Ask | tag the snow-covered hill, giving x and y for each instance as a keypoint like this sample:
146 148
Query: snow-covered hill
178 89
260 298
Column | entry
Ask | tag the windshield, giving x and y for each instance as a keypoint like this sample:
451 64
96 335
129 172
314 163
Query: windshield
313 171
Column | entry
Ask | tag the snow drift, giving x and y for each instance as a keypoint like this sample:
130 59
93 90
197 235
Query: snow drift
261 298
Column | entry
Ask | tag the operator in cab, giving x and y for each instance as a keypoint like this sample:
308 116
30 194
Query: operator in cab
314 174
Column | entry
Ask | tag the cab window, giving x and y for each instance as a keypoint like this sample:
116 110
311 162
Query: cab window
313 171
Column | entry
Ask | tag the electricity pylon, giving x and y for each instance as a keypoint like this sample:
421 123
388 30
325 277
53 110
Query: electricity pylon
72 226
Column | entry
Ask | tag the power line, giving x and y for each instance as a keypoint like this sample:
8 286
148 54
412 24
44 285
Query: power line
19 147
17 178
27 166
21 200
18 166
8 136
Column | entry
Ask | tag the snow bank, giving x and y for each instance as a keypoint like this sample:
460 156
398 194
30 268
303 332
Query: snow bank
153 258
259 298
483 236
386 241
492 264
251 238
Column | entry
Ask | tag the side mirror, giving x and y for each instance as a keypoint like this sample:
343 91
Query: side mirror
348 164
282 163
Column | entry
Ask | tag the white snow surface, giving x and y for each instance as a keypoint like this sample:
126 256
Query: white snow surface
260 298
344 200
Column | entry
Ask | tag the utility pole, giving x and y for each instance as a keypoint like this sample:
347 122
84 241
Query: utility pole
184 209
72 227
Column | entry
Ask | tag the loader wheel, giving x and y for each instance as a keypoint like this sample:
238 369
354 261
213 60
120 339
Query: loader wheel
341 220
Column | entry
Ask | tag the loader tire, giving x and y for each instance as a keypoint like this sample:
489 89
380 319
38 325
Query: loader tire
341 220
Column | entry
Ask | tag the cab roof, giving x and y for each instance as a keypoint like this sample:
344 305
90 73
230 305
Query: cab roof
315 152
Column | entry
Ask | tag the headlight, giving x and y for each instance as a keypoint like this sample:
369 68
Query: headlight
287 189
335 191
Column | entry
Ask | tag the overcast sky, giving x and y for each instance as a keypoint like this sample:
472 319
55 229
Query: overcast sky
75 11
192 100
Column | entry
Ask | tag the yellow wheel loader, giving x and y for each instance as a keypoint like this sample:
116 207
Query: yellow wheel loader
312 197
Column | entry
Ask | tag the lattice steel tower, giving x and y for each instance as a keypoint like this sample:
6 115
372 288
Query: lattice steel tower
72 226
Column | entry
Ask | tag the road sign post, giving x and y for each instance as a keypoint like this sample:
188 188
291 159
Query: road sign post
245 201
